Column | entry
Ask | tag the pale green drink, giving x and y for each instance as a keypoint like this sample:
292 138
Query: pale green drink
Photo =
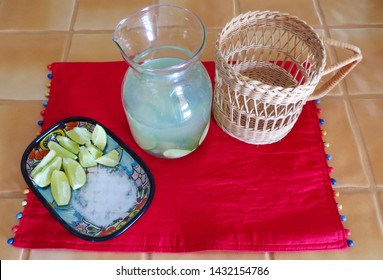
168 114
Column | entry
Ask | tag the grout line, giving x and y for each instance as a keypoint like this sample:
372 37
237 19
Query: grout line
32 32
359 95
366 95
25 254
236 9
326 30
355 26
145 256
319 12
379 209
269 256
70 32
353 189
89 31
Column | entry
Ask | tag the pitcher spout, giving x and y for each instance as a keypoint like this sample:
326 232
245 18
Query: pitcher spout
160 31
120 39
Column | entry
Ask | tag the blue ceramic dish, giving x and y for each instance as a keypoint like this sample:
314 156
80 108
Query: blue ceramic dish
113 198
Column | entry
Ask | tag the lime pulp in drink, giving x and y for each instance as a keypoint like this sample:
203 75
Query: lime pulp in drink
168 112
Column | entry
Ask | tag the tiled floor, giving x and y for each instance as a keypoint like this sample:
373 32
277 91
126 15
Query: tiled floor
32 36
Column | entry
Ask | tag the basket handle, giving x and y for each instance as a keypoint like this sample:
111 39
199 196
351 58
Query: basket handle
344 67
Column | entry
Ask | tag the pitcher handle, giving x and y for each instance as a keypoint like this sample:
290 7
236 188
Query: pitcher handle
344 67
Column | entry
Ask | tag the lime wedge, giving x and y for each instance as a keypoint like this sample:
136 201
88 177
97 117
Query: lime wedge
142 135
43 178
61 151
85 157
68 144
99 137
176 153
79 134
109 159
146 142
48 158
93 150
60 188
75 173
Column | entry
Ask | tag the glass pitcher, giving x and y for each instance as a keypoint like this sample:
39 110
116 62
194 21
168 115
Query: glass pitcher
166 91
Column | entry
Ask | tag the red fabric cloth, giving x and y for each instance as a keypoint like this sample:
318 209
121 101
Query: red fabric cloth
227 195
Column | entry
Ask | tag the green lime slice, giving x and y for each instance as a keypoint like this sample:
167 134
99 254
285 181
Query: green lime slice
85 157
145 142
99 137
61 151
68 144
60 188
110 159
176 153
79 134
43 178
75 173
142 135
47 159
93 150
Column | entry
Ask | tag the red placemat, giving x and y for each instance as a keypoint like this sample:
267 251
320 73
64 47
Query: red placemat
227 195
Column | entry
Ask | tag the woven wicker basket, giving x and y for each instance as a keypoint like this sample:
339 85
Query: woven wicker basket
268 65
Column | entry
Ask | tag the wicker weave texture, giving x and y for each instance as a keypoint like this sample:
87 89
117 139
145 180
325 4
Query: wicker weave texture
268 65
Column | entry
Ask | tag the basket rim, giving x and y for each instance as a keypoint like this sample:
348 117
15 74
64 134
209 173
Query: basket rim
245 80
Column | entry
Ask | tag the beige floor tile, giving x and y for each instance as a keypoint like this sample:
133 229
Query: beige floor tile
82 255
362 221
105 14
82 48
9 207
301 8
24 60
367 76
42 15
346 160
213 13
209 256
362 12
369 114
21 129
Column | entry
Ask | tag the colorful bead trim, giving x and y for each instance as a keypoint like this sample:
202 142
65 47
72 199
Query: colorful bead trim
333 181
19 215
